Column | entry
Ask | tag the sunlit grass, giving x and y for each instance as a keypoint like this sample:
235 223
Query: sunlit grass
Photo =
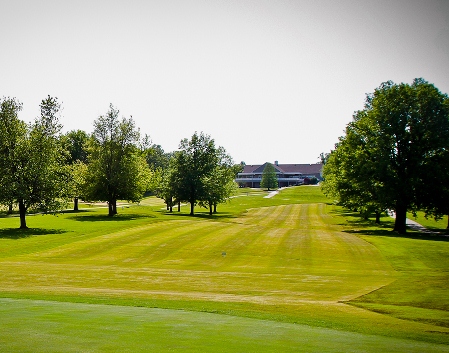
293 258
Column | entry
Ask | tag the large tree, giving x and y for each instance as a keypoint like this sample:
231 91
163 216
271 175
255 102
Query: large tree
116 169
403 137
348 174
32 173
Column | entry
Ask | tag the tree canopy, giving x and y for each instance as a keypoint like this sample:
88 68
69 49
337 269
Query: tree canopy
199 173
32 173
116 170
395 153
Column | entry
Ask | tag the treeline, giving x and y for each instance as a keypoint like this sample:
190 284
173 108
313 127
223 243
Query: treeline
394 156
42 169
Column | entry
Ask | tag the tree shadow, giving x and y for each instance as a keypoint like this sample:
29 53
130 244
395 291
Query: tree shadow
369 227
18 233
202 215
106 218
409 235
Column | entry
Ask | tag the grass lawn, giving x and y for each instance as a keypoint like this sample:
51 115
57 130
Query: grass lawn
287 273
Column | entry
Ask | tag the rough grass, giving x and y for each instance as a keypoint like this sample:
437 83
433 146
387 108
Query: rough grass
292 258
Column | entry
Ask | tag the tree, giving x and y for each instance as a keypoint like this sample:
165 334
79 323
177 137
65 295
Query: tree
347 177
219 184
196 159
168 188
394 148
116 169
77 182
154 154
32 171
75 142
269 178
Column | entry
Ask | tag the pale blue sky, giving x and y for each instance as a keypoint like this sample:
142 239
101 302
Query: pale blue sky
268 80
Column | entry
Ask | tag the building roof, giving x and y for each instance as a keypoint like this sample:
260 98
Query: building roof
304 169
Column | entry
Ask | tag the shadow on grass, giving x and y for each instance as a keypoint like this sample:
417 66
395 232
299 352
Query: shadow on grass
409 235
201 215
17 233
106 218
368 227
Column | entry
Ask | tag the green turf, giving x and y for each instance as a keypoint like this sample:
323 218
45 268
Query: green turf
47 326
293 259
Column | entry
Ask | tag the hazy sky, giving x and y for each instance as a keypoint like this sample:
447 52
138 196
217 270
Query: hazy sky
268 80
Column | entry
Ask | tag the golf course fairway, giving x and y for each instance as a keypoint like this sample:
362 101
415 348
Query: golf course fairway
290 273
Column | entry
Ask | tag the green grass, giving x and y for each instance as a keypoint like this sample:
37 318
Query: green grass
430 223
290 265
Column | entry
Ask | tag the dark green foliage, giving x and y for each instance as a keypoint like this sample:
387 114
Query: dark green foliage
199 173
269 178
394 154
116 170
32 173
75 142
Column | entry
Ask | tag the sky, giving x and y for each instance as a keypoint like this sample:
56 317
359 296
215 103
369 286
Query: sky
268 80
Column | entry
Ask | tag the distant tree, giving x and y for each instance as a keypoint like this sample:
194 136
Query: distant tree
75 142
32 172
195 160
116 169
154 154
77 182
269 178
219 184
168 188
313 180
324 157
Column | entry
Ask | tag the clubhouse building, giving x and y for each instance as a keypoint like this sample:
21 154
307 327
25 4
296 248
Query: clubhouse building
287 174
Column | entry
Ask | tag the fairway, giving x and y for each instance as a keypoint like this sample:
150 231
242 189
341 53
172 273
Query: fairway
277 273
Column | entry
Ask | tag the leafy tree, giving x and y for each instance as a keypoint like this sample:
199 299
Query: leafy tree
75 142
347 177
32 171
78 180
269 178
196 159
12 132
154 154
394 147
116 169
168 188
219 185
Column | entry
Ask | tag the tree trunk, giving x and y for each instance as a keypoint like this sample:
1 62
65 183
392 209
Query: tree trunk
210 208
112 208
447 221
10 208
179 206
215 207
22 212
192 207
377 217
401 218
75 204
